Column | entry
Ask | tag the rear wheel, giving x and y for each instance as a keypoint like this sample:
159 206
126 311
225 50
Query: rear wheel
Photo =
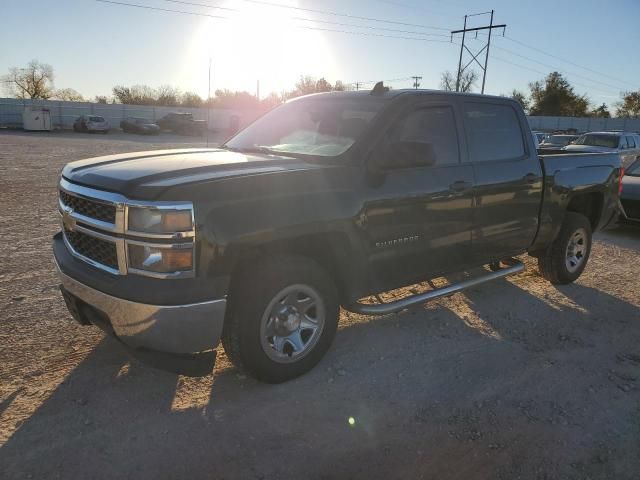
283 317
566 258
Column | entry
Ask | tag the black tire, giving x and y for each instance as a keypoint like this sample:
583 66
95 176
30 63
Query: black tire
553 263
252 293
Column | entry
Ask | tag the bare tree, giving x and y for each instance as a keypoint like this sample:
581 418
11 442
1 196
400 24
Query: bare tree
167 95
68 94
467 81
34 81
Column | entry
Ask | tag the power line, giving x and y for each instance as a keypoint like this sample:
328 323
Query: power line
327 22
556 68
500 59
511 39
200 14
565 60
346 15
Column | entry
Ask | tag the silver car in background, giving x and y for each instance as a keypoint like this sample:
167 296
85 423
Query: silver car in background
91 123
627 144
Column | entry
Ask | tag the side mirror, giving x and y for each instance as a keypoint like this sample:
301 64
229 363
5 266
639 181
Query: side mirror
407 154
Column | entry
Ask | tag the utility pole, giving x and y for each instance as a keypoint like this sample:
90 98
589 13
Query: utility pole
416 81
474 56
209 103
258 90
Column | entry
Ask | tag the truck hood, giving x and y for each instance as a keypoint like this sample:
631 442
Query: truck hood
589 149
145 175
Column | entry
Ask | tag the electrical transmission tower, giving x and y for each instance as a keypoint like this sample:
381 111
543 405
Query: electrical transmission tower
474 56
416 81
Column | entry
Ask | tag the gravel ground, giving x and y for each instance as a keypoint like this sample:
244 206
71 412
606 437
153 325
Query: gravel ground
513 379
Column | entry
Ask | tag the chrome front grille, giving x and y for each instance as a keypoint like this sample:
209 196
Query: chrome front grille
105 212
95 249
95 230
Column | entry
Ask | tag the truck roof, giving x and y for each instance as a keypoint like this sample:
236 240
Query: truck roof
392 93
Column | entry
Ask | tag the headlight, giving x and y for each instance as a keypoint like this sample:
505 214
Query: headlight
162 259
160 220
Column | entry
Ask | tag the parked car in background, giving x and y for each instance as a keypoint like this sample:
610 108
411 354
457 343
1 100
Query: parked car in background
184 123
557 141
540 136
139 125
91 123
630 196
626 144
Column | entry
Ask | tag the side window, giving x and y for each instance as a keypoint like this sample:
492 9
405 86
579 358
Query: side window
630 143
434 125
493 132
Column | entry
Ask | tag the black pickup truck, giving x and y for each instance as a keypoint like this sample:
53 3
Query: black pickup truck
323 201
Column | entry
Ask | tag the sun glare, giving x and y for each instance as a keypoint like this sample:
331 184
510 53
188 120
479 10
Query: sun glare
258 43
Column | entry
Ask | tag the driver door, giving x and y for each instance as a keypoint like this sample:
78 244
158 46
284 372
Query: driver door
418 220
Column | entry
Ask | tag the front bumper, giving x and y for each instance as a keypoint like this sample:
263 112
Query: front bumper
180 329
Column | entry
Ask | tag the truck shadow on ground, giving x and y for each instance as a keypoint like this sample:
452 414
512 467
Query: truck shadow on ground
513 381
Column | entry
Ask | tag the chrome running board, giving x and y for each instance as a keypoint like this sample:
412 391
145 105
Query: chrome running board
515 266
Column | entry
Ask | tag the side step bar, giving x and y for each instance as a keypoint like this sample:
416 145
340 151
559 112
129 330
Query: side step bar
515 266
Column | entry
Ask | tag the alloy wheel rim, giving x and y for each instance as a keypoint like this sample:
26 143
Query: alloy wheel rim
576 250
292 323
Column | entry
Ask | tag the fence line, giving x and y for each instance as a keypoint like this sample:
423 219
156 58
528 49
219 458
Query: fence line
64 113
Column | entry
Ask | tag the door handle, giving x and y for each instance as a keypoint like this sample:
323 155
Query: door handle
460 186
531 178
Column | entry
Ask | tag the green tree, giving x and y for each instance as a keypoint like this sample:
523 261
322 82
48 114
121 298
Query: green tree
101 99
629 106
521 98
555 96
601 112
34 81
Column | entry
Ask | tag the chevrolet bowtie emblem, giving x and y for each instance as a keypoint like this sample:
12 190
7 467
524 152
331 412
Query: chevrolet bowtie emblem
68 221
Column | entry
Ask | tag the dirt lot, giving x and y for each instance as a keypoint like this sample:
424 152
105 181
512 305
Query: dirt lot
514 379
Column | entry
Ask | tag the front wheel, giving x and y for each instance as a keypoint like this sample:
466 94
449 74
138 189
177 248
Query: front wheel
283 317
566 258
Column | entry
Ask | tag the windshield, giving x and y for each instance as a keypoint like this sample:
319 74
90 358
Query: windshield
319 126
598 140
96 119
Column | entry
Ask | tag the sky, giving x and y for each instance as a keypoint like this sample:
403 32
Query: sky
94 46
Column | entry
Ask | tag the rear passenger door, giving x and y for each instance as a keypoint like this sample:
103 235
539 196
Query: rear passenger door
508 179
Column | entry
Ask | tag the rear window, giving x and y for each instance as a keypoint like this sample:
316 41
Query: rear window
96 119
493 132
599 140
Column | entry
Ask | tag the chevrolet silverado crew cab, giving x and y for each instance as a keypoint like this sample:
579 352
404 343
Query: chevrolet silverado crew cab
324 201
